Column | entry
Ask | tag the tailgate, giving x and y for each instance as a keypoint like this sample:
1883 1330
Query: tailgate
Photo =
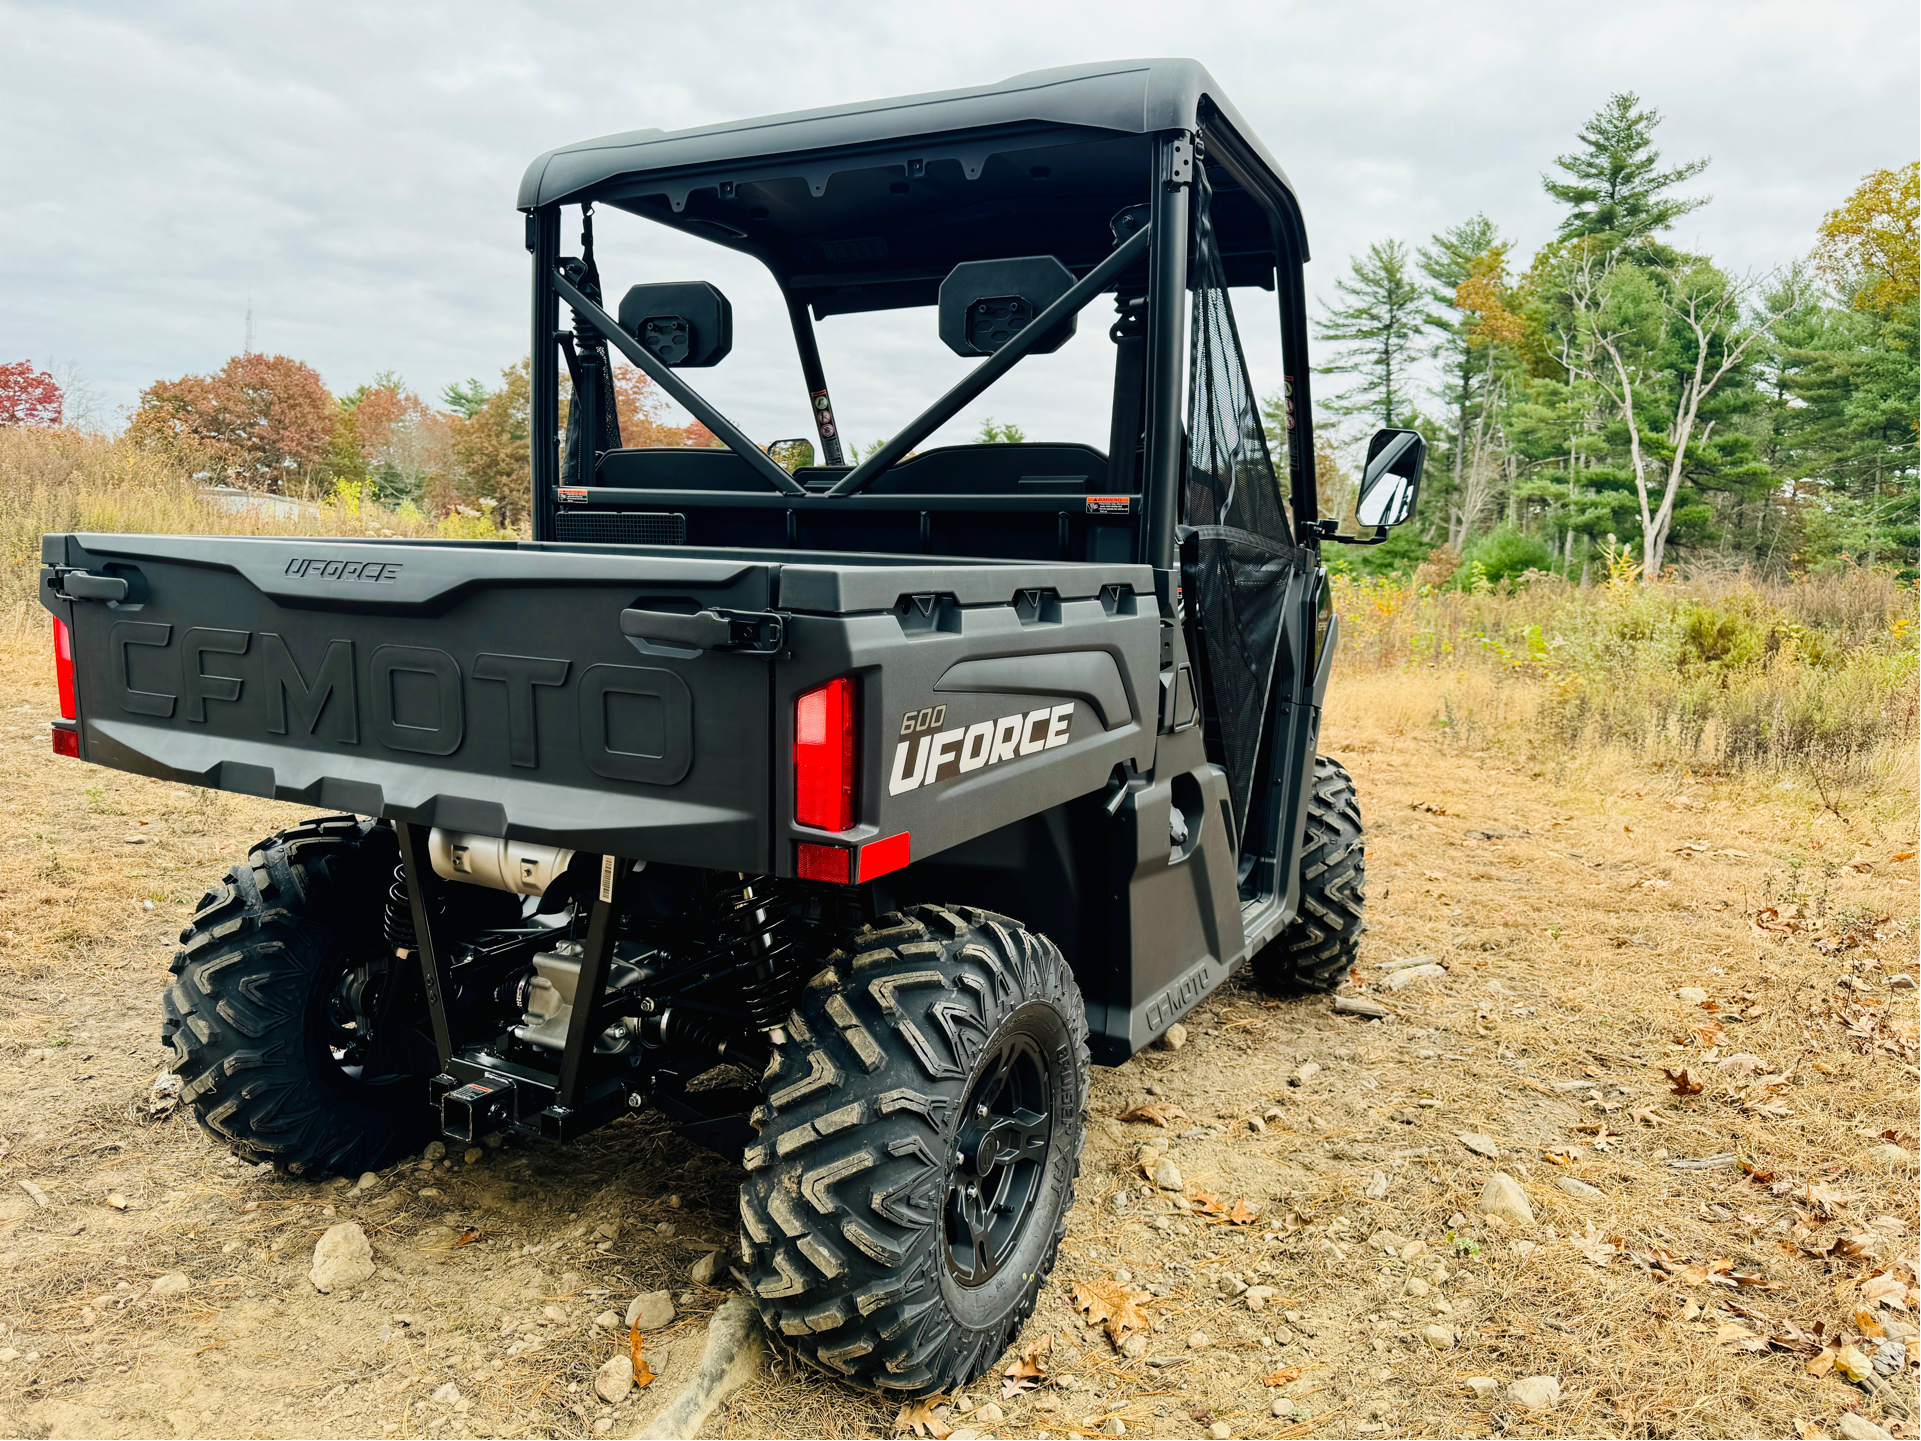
484 687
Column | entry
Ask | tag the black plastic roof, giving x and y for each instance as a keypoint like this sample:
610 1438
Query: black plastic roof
867 206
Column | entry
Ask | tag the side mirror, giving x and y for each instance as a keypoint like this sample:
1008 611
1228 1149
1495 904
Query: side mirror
1391 481
985 303
685 324
791 455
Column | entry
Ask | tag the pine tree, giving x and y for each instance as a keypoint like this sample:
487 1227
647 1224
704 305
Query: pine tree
465 397
1616 185
1448 261
1380 327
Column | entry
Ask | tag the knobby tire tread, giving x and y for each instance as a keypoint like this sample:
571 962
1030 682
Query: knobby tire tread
841 1213
236 1017
1322 943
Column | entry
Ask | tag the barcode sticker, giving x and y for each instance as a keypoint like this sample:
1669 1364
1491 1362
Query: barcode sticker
607 878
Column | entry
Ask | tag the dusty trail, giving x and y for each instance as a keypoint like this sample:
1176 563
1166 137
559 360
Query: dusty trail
1366 1294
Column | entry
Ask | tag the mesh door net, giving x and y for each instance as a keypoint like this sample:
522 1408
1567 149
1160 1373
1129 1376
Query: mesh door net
1237 545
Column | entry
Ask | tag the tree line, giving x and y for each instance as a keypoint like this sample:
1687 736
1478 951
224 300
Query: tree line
1614 392
269 423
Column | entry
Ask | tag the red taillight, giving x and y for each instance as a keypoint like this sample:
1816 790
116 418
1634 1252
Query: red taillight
66 743
824 756
63 668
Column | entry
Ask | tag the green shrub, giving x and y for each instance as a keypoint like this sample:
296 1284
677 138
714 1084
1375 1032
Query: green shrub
1505 554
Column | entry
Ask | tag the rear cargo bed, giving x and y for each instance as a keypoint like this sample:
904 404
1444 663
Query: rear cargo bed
488 687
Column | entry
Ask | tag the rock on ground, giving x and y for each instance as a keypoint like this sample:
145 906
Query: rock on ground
174 1283
736 1345
1690 995
650 1310
1535 1393
1173 1038
1858 1428
1483 1386
1502 1196
704 1268
1167 1175
1480 1145
342 1258
615 1379
1577 1188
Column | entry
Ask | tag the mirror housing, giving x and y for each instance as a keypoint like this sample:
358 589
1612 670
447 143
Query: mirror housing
687 324
1391 480
985 303
791 455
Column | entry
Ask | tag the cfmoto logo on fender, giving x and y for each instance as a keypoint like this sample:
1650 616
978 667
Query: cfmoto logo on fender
940 755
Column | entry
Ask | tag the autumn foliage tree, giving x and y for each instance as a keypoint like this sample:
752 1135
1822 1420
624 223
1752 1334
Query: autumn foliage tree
260 421
28 396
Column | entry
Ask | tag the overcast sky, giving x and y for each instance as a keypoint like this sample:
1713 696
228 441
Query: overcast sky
351 169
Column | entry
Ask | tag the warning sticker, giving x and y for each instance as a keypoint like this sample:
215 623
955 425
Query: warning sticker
1110 504
573 495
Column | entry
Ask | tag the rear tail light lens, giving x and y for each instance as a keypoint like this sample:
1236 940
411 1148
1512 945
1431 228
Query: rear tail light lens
824 756
66 743
63 668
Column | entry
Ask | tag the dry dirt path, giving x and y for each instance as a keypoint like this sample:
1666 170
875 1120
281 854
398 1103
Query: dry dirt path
1365 1297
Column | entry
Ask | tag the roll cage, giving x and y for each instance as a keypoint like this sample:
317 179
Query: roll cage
869 208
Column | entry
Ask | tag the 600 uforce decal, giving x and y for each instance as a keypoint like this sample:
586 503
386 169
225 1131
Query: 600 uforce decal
937 755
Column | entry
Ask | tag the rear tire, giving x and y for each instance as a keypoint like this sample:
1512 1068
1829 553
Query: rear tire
918 1147
1323 942
275 984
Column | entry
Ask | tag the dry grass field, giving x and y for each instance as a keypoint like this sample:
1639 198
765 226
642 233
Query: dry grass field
1665 922
1566 910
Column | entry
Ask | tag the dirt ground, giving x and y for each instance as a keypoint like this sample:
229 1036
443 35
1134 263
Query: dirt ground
1745 1159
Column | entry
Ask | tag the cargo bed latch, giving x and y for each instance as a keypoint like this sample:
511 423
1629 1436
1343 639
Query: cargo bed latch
759 632
80 585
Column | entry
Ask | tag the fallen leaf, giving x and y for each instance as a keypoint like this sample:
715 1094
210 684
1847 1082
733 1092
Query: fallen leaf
1282 1376
1113 1305
1868 1324
1158 1112
1822 1364
1684 1083
1743 1063
1828 1198
1598 1248
468 1235
1026 1371
1646 1116
1902 856
1731 1333
643 1373
918 1419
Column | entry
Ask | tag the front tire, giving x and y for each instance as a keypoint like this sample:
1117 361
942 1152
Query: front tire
1323 942
270 1016
918 1147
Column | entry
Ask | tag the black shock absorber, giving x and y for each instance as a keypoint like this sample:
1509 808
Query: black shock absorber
770 969
397 921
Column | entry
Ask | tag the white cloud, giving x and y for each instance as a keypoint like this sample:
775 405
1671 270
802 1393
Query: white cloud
352 168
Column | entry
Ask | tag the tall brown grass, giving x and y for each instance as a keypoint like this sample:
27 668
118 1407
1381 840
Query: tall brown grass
55 480
1812 677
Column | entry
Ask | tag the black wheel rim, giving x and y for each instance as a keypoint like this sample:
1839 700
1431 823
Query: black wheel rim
346 1019
1000 1158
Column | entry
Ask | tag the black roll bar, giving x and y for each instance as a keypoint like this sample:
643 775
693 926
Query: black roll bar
1166 289
996 365
543 408
730 434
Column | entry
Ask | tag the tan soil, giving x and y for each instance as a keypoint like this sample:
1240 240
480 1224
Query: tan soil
1567 909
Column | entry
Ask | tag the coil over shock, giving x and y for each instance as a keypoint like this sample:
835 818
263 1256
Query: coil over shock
397 919
763 919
